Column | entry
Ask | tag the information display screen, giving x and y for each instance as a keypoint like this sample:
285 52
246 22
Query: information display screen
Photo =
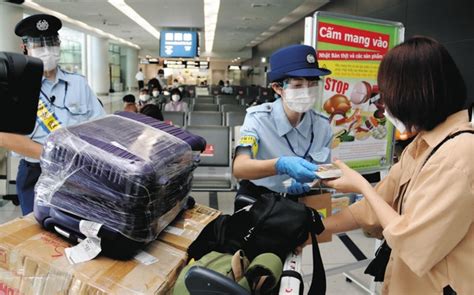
178 44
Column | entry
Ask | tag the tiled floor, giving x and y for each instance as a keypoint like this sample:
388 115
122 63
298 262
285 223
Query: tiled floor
334 253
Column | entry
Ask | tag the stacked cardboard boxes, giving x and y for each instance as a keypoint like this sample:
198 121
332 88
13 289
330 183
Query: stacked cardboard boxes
32 261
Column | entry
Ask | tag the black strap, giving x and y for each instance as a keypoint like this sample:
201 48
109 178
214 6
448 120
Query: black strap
352 247
318 283
444 140
296 275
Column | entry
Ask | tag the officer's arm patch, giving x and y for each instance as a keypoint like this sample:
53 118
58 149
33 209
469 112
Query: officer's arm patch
250 141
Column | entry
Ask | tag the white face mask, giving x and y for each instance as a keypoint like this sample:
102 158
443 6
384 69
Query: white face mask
144 97
175 97
397 123
50 56
155 93
301 100
175 84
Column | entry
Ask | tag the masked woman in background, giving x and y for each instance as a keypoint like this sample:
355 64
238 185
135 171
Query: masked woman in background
176 104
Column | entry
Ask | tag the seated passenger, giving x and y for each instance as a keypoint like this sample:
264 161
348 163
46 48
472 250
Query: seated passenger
176 105
144 98
129 104
153 111
175 84
227 89
157 97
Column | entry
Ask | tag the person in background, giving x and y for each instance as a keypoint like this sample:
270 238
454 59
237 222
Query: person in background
424 206
176 104
161 78
66 97
158 98
153 111
220 83
175 84
140 77
154 83
129 104
227 89
281 142
144 98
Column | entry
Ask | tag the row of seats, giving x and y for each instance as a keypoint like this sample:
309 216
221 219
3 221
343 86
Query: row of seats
237 100
216 100
217 108
204 118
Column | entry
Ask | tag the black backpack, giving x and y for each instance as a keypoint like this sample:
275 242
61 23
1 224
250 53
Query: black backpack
272 224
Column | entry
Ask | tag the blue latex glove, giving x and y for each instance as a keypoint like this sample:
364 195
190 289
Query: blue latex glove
297 188
296 167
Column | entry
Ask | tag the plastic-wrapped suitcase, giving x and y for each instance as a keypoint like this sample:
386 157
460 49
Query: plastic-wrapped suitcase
128 172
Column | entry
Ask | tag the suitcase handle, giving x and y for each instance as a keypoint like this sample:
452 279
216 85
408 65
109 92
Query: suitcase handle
65 225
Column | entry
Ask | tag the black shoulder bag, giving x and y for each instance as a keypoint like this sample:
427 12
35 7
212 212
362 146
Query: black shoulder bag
272 224
378 266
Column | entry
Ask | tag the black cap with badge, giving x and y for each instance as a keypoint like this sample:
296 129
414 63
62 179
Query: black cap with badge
38 25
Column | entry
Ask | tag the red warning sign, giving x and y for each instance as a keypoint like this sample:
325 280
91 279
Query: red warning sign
209 151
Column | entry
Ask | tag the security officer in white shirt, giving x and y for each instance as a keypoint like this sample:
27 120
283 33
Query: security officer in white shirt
281 142
65 100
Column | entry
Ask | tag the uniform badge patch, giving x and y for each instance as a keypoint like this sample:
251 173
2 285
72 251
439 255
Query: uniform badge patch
42 25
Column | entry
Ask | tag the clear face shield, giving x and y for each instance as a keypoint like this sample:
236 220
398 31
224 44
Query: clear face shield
300 94
45 48
37 42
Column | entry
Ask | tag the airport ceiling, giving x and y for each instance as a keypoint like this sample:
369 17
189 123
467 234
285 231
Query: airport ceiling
241 24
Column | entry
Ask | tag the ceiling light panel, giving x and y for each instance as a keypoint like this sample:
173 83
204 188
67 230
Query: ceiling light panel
211 13
133 15
33 5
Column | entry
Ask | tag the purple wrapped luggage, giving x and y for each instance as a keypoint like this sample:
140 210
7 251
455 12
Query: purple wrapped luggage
128 172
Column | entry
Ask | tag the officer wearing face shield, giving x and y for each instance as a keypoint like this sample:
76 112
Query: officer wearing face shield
282 142
65 100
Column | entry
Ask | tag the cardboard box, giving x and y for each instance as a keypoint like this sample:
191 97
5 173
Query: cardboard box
322 203
32 261
187 227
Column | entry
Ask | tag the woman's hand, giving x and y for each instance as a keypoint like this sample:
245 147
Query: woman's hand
350 181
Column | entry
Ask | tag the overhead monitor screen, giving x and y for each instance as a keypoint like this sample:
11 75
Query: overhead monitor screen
178 44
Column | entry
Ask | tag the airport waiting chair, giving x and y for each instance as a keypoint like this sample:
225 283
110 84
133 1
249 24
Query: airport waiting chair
175 118
203 99
205 107
189 91
202 91
228 99
214 170
246 101
233 119
201 118
232 108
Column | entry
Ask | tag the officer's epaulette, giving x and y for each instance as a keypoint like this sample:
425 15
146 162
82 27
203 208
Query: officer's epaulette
265 108
321 115
72 73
